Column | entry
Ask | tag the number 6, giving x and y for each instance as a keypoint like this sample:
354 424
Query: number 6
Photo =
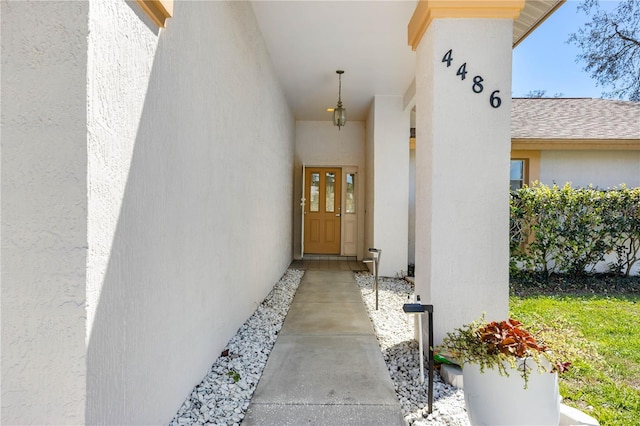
494 100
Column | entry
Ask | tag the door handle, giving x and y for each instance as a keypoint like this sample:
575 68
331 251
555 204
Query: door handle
338 215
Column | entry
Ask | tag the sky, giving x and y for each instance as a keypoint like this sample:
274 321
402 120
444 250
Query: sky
545 61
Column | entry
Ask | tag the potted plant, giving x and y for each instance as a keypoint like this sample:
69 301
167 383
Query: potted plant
509 374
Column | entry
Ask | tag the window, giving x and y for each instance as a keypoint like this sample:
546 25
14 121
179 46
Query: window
351 191
517 174
525 168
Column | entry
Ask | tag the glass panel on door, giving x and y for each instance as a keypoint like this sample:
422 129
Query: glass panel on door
330 192
314 203
322 219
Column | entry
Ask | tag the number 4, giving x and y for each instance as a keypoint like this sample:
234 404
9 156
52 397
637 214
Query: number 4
462 71
447 58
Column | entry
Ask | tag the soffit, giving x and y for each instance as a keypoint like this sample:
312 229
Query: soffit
309 40
534 13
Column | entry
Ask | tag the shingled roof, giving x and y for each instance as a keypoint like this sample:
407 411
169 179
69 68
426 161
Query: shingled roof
574 119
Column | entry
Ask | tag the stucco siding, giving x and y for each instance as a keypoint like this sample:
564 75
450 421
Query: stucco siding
190 160
391 177
44 210
462 165
602 169
370 179
412 207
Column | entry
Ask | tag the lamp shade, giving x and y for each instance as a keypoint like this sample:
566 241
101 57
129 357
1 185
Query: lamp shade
339 113
339 117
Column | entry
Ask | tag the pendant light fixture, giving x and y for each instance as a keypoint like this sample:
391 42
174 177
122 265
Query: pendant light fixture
339 113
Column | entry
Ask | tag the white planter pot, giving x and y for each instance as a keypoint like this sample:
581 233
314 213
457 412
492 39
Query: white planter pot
492 399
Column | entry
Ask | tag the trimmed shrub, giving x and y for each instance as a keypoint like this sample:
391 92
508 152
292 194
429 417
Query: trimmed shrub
567 230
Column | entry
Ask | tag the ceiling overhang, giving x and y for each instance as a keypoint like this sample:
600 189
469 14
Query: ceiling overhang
535 12
527 15
428 10
308 41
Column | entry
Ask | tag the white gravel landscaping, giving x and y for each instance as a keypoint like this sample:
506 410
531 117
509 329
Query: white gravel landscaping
223 396
394 330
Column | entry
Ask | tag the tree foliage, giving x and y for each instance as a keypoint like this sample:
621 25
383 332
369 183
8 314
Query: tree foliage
538 93
610 45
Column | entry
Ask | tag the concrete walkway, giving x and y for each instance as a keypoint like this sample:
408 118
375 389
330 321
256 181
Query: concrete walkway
326 367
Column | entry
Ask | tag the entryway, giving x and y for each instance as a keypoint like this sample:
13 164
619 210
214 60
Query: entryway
330 214
323 211
329 263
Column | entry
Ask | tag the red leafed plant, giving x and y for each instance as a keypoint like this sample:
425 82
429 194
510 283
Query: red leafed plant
509 338
492 344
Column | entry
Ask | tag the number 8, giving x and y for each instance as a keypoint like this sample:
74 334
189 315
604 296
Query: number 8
477 84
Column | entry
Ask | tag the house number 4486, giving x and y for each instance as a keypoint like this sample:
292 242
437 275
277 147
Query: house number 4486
477 86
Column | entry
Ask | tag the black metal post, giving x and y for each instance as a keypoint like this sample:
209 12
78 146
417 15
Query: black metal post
419 309
431 361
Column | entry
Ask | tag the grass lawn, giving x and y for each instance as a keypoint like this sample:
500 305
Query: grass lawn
605 381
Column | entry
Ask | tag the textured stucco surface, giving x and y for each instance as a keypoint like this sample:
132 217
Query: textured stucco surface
190 197
602 169
412 207
462 164
319 143
44 210
391 176
370 186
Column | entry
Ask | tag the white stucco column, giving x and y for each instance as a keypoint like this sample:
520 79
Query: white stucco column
463 87
390 183
44 212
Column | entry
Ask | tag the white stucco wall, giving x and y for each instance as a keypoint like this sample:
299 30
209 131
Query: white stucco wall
190 161
462 166
391 183
370 186
412 207
602 169
44 210
320 143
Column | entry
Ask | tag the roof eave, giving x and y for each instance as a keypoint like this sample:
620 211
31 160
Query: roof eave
535 12
562 144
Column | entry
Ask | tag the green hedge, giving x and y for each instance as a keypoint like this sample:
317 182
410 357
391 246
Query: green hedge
568 230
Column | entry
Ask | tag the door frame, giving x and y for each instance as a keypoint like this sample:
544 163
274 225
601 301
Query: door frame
335 246
359 204
350 219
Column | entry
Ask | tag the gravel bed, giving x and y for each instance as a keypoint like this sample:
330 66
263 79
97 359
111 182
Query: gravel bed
394 330
223 396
